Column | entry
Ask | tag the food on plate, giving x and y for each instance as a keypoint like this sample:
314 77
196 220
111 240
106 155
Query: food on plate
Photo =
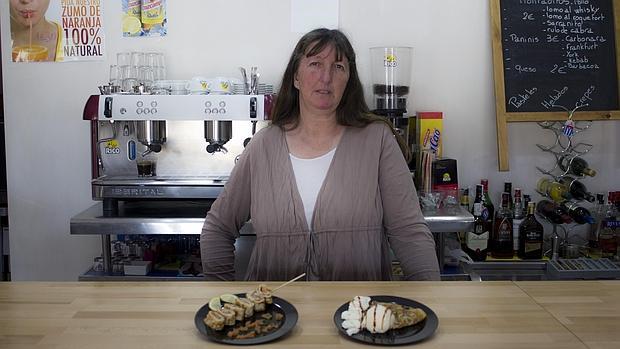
229 298
263 324
378 317
239 311
215 304
354 316
229 316
215 320
228 309
265 292
258 300
404 316
247 305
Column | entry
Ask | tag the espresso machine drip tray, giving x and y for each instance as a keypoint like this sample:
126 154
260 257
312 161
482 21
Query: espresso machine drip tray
158 187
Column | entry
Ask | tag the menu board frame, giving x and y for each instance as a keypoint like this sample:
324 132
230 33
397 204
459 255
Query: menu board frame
503 117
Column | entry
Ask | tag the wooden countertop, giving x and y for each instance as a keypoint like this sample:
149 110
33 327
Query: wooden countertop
503 314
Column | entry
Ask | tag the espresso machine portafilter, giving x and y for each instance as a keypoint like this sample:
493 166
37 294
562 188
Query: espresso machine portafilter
217 133
151 134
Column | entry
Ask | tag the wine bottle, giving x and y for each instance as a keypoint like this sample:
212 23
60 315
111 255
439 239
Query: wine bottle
576 166
502 241
577 189
579 214
531 234
488 210
477 242
552 212
552 189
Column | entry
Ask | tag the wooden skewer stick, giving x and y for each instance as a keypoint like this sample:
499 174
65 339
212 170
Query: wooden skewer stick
288 282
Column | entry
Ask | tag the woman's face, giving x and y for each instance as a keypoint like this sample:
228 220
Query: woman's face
321 80
28 12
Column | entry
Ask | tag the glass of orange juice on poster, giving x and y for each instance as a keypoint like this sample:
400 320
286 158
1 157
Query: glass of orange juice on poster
29 53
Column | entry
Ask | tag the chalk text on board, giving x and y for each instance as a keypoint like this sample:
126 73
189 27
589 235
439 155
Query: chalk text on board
586 96
523 39
521 98
548 103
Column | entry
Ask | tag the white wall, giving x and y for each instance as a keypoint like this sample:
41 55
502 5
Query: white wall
48 143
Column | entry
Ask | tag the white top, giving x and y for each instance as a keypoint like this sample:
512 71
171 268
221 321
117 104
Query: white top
309 175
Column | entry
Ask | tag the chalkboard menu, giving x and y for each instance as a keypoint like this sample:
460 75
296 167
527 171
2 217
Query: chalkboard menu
558 52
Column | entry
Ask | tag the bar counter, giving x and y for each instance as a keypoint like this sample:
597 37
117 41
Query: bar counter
502 314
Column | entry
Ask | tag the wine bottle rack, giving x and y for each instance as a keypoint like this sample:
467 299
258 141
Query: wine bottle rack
565 149
563 146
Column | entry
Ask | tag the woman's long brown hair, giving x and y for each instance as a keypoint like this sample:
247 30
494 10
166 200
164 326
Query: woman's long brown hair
352 110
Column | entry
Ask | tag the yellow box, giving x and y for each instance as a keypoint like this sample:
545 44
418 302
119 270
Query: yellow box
429 130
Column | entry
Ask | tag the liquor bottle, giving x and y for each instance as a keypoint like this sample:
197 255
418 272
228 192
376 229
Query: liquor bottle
517 212
508 189
517 207
552 189
576 166
594 249
607 236
502 241
465 199
488 210
577 189
579 214
526 201
552 212
478 197
531 234
477 242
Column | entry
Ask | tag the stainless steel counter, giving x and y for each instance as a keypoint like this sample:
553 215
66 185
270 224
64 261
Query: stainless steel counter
145 218
446 220
187 217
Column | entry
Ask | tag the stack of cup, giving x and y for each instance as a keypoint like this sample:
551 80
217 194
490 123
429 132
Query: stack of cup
133 69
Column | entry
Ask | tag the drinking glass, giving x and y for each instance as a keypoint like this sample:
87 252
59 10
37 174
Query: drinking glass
129 78
160 73
137 59
146 76
123 59
115 76
155 59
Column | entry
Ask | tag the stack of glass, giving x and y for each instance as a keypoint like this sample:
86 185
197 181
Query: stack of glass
134 69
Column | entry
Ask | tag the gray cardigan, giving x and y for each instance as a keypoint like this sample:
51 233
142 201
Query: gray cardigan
366 205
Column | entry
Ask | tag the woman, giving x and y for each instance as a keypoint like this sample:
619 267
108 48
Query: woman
326 185
34 37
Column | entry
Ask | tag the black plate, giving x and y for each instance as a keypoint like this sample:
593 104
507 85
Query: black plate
279 305
405 335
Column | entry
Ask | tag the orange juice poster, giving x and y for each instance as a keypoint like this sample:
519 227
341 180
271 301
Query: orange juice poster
57 30
144 18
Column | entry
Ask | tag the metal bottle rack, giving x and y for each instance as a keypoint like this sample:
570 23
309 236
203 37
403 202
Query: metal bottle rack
563 147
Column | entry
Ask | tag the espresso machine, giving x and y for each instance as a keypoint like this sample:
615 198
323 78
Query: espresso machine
183 137
159 161
391 81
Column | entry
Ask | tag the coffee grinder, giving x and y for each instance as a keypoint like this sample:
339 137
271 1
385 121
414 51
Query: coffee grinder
391 81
